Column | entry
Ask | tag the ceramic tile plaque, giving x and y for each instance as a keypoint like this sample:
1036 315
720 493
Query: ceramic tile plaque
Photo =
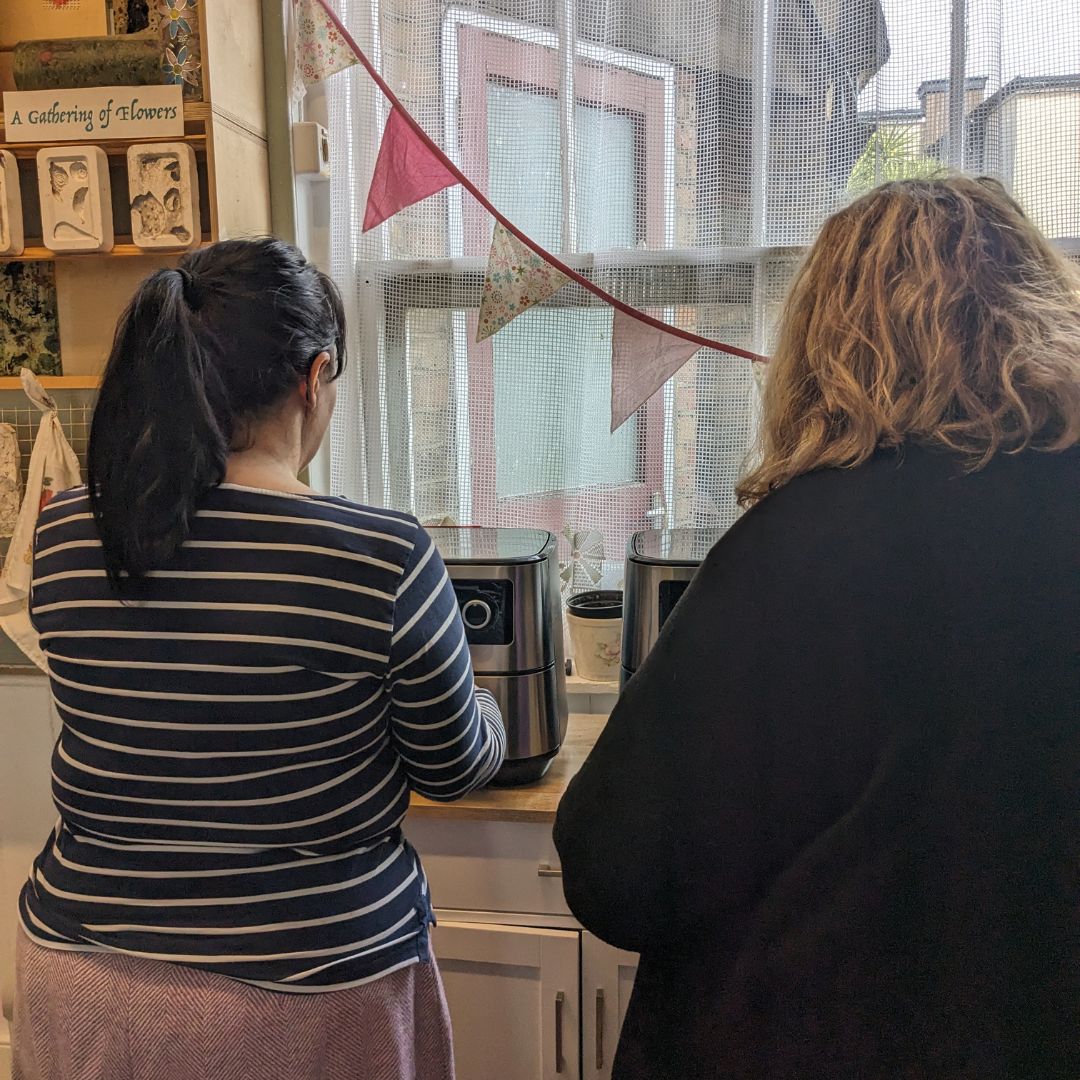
74 192
11 215
164 190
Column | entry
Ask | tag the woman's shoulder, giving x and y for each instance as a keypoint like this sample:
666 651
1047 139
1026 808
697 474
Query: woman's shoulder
900 497
72 504
349 523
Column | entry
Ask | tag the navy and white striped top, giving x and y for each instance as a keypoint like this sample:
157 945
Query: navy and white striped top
239 743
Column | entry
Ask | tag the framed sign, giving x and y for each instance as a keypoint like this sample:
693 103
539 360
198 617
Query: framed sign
94 114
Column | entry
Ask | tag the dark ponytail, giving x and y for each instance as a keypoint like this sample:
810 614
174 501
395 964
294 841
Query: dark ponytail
200 350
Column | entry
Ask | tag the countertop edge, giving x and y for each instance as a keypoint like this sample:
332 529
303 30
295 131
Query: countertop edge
535 804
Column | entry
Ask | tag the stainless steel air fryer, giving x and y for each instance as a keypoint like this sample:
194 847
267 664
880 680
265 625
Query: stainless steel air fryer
507 584
659 565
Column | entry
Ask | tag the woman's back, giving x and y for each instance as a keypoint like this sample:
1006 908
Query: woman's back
241 733
875 737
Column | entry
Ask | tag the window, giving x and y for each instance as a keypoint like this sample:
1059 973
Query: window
681 156
568 202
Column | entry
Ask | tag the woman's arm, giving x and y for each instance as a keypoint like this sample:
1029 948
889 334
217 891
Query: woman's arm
449 735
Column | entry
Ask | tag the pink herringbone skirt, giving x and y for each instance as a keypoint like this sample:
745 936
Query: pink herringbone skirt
105 1016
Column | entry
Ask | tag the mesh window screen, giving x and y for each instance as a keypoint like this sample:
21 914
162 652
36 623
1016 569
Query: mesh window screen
681 153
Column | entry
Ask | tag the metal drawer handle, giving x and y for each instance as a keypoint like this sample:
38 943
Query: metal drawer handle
560 998
547 870
599 1030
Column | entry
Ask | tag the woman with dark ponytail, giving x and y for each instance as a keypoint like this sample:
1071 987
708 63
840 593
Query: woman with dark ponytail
252 678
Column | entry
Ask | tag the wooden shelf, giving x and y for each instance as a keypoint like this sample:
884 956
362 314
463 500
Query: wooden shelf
575 684
54 382
228 133
38 253
114 148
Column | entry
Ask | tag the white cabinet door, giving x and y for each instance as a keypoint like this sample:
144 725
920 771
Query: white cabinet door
514 1000
607 978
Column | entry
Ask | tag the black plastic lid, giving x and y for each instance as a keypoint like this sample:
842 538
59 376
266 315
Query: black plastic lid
597 604
672 547
487 546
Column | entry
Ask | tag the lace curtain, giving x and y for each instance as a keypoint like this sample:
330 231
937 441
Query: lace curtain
682 153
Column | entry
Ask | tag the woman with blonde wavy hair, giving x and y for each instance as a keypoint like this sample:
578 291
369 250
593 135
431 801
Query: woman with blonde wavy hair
837 811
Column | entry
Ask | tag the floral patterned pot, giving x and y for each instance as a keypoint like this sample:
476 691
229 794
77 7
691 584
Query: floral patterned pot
594 620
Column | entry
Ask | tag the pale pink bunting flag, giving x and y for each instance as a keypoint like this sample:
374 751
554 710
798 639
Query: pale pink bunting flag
516 279
406 171
642 360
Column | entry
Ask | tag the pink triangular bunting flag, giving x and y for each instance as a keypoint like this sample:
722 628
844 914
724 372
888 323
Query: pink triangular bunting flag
643 358
406 171
516 279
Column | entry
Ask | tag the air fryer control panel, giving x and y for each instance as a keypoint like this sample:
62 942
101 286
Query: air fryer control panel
671 591
487 609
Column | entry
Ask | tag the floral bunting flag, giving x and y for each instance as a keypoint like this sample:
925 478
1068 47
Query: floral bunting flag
406 171
319 50
643 358
516 279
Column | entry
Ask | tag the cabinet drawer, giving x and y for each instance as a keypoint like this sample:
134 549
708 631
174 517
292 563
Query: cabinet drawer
498 866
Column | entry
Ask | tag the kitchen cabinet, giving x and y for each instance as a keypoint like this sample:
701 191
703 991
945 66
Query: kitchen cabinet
523 979
607 980
514 996
529 1003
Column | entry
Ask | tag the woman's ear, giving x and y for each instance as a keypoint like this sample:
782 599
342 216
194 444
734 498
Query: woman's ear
315 379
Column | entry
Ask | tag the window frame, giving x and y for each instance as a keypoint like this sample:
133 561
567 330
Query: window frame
656 281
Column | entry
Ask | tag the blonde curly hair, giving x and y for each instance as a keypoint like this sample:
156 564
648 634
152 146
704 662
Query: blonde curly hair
927 310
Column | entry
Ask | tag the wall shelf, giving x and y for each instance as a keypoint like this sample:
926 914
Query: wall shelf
114 148
226 130
38 253
54 382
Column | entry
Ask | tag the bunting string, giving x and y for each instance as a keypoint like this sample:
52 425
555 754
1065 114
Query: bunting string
571 274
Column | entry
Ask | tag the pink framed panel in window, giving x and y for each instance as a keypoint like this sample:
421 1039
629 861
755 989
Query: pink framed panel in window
486 57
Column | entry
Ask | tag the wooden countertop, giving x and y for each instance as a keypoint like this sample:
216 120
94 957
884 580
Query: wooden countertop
535 803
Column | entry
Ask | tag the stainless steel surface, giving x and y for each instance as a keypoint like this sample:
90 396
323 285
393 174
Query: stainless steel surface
560 999
531 571
507 581
534 710
653 558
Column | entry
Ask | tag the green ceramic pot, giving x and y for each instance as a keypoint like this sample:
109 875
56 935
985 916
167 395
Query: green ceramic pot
74 63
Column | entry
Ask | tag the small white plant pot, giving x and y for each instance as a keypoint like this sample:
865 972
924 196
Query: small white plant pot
163 184
594 620
76 207
12 241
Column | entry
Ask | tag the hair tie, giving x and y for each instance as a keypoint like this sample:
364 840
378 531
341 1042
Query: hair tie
192 296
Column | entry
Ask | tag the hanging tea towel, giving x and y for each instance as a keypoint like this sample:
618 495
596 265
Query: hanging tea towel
10 479
53 468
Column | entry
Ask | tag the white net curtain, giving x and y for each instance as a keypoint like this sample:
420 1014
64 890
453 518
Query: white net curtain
679 152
